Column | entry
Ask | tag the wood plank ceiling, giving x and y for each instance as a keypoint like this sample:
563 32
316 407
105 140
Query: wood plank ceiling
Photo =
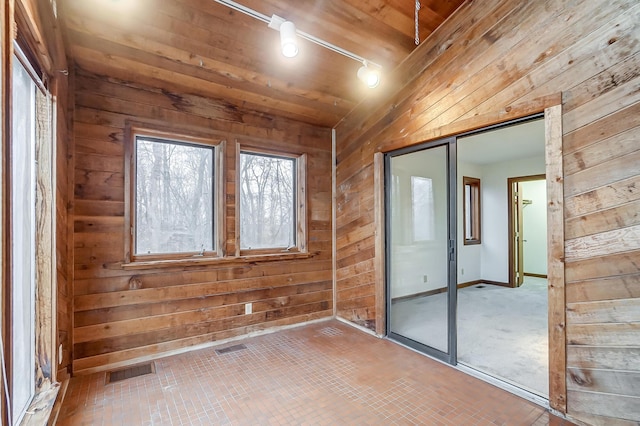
204 48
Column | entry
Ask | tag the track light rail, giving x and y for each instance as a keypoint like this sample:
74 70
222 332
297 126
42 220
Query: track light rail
264 18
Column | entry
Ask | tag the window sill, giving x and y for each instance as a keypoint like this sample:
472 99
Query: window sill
215 261
41 407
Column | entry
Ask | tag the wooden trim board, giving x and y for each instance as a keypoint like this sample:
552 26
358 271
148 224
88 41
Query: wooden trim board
555 260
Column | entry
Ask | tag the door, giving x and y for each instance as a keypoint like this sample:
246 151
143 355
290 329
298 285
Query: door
420 248
518 242
517 201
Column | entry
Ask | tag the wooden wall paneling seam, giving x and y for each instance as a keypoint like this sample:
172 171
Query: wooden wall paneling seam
555 259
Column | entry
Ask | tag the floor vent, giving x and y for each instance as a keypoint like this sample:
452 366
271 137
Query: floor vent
129 372
228 349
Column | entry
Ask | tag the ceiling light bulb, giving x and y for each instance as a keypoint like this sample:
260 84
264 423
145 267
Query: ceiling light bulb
369 77
288 39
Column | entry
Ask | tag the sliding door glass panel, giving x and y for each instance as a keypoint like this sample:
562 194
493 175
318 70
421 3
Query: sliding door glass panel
418 247
23 203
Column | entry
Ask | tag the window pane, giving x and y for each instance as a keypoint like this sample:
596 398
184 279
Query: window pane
468 223
174 197
422 208
267 199
23 218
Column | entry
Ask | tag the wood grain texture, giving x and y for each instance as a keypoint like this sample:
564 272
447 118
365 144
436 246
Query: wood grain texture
126 314
496 61
555 258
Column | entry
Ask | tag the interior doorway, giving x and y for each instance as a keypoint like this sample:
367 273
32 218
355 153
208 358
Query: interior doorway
527 196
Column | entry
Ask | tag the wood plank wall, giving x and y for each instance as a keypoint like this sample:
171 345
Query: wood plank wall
180 307
497 59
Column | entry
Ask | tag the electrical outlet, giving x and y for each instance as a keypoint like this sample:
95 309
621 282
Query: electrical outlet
424 278
248 308
461 271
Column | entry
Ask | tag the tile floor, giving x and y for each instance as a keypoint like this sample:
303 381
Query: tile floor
325 373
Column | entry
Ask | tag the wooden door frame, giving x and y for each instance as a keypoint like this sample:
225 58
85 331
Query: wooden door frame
510 221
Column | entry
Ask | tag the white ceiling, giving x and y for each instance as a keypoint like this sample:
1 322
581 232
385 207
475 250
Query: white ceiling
523 140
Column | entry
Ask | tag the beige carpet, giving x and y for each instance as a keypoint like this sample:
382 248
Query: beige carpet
501 331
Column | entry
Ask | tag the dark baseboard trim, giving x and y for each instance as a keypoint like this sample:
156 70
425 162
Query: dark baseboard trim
469 284
501 284
527 274
417 295
442 290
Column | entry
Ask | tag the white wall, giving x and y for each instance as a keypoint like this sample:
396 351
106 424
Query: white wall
535 227
469 265
411 259
495 234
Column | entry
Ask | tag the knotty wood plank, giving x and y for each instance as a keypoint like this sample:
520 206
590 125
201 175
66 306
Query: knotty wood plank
603 267
603 334
607 196
555 259
608 358
608 149
602 244
604 381
614 406
615 169
609 311
603 128
610 288
604 220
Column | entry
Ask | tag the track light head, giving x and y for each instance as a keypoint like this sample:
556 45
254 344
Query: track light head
369 76
288 42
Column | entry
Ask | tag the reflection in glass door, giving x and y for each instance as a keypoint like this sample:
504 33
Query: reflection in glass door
420 257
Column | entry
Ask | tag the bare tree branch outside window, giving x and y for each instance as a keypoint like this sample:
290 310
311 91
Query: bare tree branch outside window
174 197
267 201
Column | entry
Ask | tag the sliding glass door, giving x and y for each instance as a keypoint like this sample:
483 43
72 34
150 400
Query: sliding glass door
420 248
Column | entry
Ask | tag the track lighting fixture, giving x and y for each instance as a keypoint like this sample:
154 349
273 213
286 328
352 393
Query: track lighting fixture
369 76
288 39
368 73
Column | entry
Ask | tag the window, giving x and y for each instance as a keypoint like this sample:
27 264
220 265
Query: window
174 197
270 187
471 205
32 250
423 212
23 237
